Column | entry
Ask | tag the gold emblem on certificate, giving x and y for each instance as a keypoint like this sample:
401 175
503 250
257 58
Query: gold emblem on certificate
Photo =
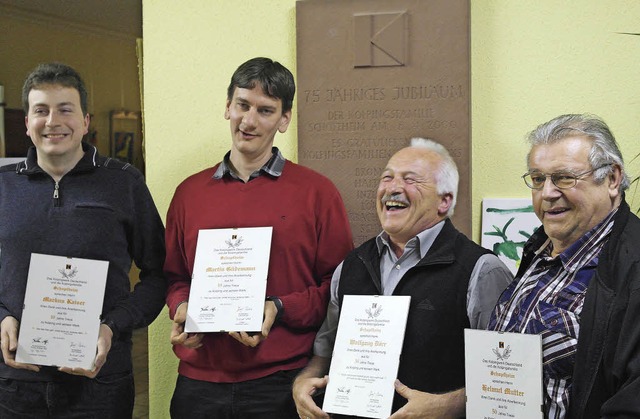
229 280
61 317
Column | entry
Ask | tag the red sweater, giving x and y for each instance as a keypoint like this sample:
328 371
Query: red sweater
311 236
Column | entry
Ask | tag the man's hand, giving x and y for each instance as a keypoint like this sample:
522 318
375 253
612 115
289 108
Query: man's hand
9 344
307 383
270 312
303 390
104 346
427 405
178 335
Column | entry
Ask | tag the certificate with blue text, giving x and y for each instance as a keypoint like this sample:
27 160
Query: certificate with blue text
366 355
503 374
229 280
61 315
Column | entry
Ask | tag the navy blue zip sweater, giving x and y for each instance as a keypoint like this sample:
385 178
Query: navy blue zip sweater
101 209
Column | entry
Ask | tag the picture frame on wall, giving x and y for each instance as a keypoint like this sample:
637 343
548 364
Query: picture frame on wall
507 223
123 146
126 138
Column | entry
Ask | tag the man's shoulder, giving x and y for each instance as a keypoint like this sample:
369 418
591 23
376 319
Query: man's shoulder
13 167
200 177
628 233
634 221
116 165
450 232
367 249
298 173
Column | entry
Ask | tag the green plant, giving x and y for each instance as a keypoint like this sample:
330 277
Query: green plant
507 247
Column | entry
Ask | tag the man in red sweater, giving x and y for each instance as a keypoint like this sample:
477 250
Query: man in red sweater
236 374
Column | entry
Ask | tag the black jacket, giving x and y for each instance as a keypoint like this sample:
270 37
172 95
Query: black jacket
606 377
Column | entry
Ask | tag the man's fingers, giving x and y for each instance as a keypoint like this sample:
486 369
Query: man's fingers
81 371
402 389
246 339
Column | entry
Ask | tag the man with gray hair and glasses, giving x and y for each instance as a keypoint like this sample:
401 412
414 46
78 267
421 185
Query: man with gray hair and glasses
578 284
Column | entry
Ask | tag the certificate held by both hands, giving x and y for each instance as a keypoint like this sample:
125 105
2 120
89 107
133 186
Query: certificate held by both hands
366 355
229 280
61 316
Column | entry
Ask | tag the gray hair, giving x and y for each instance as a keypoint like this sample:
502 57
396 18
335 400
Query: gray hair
604 149
447 176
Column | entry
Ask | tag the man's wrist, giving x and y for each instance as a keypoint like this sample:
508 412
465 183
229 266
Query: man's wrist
279 306
111 325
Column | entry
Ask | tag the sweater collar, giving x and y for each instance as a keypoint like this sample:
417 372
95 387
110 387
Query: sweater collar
88 161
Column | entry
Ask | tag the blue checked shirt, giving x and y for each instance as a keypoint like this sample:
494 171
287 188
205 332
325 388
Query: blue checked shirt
547 300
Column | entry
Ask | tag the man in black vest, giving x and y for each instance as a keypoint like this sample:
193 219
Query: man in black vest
453 283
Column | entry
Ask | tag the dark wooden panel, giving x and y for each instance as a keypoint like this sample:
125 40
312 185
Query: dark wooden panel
17 142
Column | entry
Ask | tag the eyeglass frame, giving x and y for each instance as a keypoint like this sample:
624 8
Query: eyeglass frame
575 177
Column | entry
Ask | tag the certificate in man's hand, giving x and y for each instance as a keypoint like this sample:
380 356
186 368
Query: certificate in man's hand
366 355
503 374
229 280
61 315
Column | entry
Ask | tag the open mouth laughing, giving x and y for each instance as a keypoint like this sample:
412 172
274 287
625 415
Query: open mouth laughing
394 203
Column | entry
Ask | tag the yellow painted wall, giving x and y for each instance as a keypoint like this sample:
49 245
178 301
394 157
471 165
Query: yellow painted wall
531 61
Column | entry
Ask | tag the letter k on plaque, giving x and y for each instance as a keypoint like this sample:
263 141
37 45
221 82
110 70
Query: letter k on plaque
380 39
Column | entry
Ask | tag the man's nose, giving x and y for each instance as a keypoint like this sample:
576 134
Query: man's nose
395 184
52 119
549 189
249 118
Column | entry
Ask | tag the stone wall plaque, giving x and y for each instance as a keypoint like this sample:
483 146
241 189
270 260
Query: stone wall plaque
372 74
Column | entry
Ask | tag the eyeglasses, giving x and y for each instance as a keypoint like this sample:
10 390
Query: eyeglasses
562 180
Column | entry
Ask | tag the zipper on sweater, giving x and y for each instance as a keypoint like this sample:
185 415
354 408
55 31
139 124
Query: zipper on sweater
56 195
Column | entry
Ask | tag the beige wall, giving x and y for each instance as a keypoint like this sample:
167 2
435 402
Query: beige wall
106 61
530 62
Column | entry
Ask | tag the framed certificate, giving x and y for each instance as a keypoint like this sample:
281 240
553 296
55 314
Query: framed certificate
229 280
366 355
503 374
61 316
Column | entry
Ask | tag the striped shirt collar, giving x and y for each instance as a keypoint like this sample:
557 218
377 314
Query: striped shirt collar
574 256
548 300
273 167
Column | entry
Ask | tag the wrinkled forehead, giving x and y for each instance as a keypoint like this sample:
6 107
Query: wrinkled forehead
414 159
565 154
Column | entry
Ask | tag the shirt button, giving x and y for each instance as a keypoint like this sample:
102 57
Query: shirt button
554 322
398 267
516 311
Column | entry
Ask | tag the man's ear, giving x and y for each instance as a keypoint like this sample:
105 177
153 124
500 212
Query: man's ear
226 110
87 121
26 124
613 181
445 203
285 119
